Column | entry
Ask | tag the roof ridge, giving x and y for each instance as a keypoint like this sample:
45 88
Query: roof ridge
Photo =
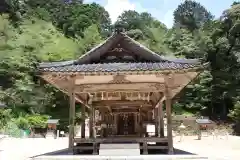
155 56
96 47
141 45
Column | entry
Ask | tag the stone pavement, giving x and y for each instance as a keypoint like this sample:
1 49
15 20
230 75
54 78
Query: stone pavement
132 149
142 157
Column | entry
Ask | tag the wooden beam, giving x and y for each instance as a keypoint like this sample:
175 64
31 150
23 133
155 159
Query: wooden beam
133 87
161 99
189 77
121 103
109 109
64 90
123 79
116 95
125 110
125 107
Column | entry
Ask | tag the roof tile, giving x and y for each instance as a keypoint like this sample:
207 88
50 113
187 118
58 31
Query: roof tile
118 67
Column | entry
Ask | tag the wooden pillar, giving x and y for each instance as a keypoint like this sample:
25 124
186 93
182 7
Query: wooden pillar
140 123
160 120
115 124
83 123
71 118
94 130
169 126
91 124
168 83
91 134
156 121
94 121
103 124
135 123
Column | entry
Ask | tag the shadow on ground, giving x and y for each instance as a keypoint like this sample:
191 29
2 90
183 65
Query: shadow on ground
65 152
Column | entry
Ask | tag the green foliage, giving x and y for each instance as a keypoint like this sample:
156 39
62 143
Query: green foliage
91 38
45 41
73 17
5 117
12 129
135 34
235 113
22 123
192 15
145 29
37 120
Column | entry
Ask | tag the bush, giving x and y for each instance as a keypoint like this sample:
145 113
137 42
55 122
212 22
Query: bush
5 117
22 123
37 121
235 113
12 130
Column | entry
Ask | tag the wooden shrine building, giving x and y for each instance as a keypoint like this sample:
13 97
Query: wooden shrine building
124 84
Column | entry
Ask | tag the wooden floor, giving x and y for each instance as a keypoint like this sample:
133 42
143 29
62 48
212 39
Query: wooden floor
145 143
120 139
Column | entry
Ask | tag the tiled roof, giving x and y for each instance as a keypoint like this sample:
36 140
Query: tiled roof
152 61
118 67
129 44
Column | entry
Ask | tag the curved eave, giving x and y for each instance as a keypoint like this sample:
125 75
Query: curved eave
120 68
122 73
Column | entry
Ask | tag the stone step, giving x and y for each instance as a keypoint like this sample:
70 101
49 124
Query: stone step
132 149
141 157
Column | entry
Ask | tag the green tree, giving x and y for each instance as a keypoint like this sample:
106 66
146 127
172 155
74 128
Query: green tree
191 15
21 50
91 38
73 17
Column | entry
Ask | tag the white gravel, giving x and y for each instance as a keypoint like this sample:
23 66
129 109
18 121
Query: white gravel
213 148
21 149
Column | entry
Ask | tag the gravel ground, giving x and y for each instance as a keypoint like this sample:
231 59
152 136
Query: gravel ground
21 149
221 148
